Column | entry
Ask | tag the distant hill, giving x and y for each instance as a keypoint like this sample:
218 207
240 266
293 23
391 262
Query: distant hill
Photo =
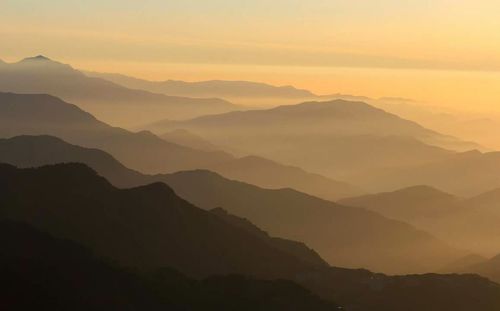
269 174
143 151
114 103
47 115
339 138
150 226
488 201
463 174
342 235
213 88
408 204
464 223
188 139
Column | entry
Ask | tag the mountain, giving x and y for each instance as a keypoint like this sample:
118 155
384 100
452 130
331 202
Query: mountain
147 227
58 274
462 264
151 227
340 234
474 126
464 174
488 201
188 139
109 101
463 223
298 249
408 204
43 114
238 91
272 175
339 138
488 268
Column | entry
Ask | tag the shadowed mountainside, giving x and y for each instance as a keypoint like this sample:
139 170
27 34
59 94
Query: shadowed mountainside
111 102
488 268
272 175
60 274
465 223
188 139
43 114
340 234
350 141
464 174
78 204
147 226
346 137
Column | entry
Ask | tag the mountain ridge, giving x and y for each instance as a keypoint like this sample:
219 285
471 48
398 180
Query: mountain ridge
283 213
47 115
111 102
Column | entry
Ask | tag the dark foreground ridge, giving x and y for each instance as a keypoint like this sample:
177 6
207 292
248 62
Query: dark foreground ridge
60 274
150 228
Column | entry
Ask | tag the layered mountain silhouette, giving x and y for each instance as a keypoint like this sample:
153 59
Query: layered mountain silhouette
488 268
188 139
61 274
270 174
111 102
488 201
342 235
45 114
465 223
464 174
350 141
147 226
214 88
336 138
143 151
409 203
150 227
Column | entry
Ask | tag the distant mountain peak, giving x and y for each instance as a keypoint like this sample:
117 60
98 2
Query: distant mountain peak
36 58
421 189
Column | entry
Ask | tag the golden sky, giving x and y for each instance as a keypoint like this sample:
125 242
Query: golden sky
440 51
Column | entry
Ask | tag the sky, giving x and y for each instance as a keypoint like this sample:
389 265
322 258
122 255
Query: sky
440 51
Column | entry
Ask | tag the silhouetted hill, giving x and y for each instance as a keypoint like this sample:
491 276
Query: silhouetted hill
47 273
408 204
111 102
463 223
147 226
488 268
464 174
269 174
188 139
150 226
297 249
214 88
489 201
143 151
346 137
342 235
47 115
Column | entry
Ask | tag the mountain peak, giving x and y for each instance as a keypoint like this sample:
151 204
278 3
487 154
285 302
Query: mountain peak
421 189
37 58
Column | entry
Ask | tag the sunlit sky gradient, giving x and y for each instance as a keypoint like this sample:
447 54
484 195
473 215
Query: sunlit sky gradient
440 51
